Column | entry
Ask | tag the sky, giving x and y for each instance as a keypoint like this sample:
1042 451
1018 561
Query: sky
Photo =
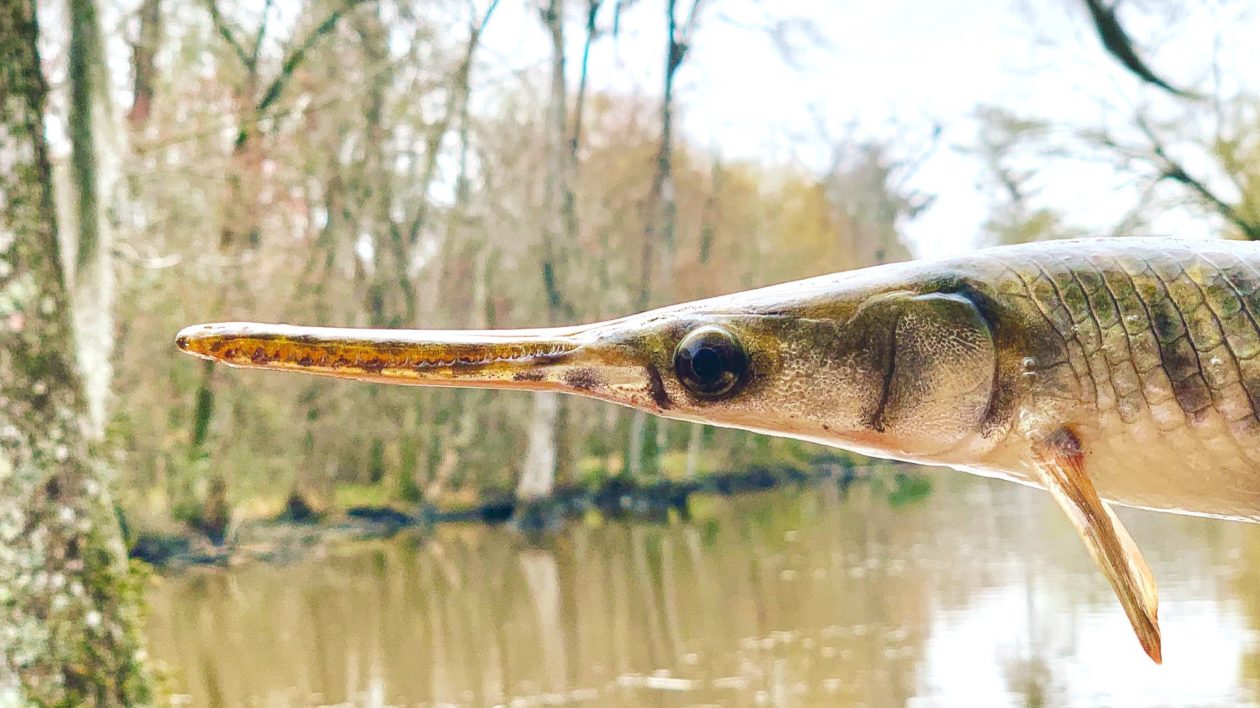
895 70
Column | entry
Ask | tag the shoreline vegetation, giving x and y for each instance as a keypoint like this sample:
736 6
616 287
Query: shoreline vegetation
300 529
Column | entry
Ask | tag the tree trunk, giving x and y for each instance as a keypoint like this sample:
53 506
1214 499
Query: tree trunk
658 226
143 70
538 474
695 442
241 230
95 160
69 604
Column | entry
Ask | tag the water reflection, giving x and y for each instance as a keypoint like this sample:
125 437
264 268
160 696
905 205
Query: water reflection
979 594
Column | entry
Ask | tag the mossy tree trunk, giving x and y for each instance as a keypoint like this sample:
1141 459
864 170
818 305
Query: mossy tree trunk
67 603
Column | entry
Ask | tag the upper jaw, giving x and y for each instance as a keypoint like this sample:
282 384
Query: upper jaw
580 360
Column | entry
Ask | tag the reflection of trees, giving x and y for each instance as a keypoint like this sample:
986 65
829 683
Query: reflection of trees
805 596
766 602
543 581
1247 584
1028 671
646 583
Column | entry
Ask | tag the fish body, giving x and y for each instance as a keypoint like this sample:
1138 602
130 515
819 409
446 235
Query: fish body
1147 349
1122 370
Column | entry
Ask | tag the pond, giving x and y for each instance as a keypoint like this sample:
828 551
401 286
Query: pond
977 594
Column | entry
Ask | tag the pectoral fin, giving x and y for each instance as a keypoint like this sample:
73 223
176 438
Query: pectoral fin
1061 466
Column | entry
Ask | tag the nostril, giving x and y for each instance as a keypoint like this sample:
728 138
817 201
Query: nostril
186 337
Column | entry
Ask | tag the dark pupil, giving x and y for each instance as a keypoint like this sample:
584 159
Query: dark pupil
706 363
709 362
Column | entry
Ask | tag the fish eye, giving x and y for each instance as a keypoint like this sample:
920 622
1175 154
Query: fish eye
710 361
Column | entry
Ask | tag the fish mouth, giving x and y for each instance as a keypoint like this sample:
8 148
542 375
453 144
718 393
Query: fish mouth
597 361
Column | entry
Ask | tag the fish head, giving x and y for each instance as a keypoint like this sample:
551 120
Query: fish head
906 373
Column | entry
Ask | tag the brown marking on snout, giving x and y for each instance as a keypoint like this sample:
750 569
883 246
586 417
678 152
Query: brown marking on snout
656 388
528 376
583 379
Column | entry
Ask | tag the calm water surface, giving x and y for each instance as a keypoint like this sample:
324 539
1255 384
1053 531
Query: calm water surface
978 594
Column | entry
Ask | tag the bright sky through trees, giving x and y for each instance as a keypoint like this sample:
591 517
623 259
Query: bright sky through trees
897 69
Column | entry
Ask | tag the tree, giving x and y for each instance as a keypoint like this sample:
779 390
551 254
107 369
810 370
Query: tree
241 231
1013 219
143 69
375 192
1179 148
662 213
538 473
1242 212
68 605
95 153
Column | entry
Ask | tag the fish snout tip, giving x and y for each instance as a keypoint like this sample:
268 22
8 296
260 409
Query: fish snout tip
191 340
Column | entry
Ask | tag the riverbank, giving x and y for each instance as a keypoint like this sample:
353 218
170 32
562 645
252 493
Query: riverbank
299 531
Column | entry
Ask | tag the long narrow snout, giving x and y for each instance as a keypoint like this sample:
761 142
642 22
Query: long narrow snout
586 360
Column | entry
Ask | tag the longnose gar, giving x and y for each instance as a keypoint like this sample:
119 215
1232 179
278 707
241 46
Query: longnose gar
1125 370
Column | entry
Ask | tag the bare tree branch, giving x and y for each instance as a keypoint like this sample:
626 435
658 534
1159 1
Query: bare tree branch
298 53
485 18
457 95
262 32
693 21
1118 44
1175 171
220 24
575 139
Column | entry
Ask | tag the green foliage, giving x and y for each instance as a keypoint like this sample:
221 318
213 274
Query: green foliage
349 495
908 488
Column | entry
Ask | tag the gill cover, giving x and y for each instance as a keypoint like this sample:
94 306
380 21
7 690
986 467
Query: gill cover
934 358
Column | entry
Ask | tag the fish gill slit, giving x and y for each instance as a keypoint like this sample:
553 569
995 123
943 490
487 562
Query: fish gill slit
877 420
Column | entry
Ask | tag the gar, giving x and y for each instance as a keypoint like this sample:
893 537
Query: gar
1121 371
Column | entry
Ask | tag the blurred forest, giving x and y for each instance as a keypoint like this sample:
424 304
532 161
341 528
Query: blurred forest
344 163
344 179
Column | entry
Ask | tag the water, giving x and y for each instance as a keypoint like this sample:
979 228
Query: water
979 594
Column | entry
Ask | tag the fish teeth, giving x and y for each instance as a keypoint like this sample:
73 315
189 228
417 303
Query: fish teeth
514 352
